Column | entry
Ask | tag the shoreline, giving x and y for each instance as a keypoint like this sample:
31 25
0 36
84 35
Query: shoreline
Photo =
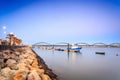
23 63
48 71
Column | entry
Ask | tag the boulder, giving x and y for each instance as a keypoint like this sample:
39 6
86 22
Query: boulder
35 63
11 63
23 66
7 74
45 77
5 71
21 74
33 75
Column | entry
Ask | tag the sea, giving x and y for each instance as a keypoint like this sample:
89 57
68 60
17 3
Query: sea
85 65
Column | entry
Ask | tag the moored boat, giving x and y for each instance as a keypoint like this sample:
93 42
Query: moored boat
74 48
103 53
59 49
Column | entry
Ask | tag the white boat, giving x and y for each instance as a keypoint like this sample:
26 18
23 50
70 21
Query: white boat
74 48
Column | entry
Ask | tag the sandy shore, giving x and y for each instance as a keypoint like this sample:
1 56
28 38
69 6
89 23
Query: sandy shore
23 64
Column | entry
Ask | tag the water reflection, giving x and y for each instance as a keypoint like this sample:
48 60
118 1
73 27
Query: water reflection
86 65
68 55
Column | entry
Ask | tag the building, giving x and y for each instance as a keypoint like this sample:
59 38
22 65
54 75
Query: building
12 40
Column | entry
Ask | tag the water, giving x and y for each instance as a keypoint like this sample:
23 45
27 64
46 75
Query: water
85 65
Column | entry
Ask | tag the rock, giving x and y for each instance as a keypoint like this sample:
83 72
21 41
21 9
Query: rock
30 77
11 63
21 75
21 57
13 56
33 75
11 75
40 71
45 77
35 63
6 56
25 56
27 61
23 66
21 50
5 71
2 78
48 71
6 52
30 61
17 53
7 74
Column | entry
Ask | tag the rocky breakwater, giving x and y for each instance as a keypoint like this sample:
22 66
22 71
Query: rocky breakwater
23 64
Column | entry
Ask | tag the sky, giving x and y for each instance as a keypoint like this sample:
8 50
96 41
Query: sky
54 21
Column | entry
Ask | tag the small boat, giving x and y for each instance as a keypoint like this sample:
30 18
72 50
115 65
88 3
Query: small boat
74 48
59 49
103 53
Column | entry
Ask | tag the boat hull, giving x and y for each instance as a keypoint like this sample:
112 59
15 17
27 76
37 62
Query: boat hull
103 53
74 49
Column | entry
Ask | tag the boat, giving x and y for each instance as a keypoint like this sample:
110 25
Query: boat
59 49
103 53
74 48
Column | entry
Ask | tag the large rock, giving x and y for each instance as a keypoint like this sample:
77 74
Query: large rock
45 77
21 75
23 66
11 63
5 71
33 75
7 74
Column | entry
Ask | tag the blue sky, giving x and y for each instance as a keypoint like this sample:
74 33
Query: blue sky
54 21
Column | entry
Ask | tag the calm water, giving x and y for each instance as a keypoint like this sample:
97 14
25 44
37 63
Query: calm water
85 65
